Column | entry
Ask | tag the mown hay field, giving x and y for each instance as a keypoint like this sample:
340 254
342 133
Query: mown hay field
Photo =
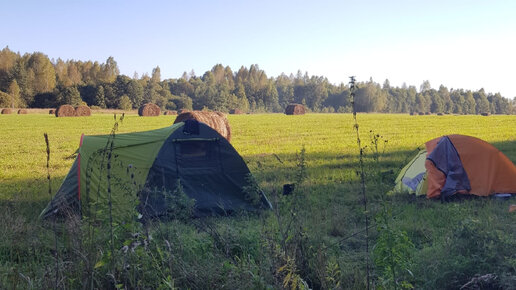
452 242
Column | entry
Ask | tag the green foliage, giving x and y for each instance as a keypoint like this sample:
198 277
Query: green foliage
42 73
370 98
470 106
392 254
14 91
252 190
332 275
125 103
108 71
222 89
180 205
474 246
291 279
5 100
135 92
69 96
180 102
99 99
301 173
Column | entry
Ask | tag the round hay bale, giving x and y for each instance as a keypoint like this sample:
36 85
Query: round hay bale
439 114
485 114
236 112
170 112
149 110
215 120
412 113
82 111
428 113
51 111
22 112
6 111
295 109
420 113
65 111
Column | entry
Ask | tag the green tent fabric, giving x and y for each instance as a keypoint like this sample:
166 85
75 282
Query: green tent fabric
412 177
143 168
66 198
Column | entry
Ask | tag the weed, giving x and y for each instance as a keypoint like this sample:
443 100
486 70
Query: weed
252 190
56 250
352 88
392 253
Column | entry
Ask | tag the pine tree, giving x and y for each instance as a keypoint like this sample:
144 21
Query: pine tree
69 96
100 98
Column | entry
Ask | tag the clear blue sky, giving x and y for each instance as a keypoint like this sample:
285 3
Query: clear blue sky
461 44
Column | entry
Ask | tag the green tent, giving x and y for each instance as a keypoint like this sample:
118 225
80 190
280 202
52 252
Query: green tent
145 169
412 178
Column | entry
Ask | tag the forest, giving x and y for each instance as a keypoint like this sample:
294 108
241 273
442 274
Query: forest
33 80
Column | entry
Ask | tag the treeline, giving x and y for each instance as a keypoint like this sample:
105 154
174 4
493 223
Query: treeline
33 80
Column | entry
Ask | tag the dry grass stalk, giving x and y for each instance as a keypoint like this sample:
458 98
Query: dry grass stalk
148 110
215 120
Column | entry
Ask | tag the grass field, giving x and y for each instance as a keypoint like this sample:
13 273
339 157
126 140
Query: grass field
315 237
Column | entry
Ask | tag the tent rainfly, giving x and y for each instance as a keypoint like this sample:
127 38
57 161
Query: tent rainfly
457 164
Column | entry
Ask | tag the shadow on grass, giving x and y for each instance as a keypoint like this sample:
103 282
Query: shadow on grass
331 177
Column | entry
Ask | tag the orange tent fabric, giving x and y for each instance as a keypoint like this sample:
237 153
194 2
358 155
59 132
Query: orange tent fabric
489 170
435 180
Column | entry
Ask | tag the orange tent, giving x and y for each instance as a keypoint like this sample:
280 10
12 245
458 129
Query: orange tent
467 165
